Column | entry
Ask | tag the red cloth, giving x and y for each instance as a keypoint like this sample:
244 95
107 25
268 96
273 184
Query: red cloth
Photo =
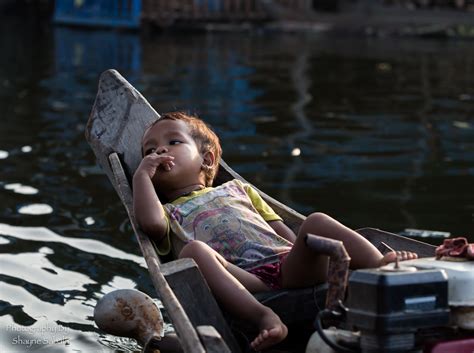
456 247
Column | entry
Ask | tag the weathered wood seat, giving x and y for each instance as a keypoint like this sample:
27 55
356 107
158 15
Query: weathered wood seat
118 119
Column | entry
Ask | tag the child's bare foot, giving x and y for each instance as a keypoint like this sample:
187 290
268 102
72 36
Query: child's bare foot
402 256
272 331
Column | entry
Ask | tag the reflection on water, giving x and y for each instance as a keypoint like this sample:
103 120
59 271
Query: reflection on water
21 189
375 132
35 209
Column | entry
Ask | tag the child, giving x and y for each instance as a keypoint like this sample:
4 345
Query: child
240 245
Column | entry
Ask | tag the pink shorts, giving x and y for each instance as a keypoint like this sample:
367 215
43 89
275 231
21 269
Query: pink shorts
270 274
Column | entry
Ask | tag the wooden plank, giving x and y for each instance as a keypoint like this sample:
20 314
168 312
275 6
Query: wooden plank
118 119
237 7
109 132
166 12
227 7
397 242
195 9
205 8
211 340
248 7
192 291
187 334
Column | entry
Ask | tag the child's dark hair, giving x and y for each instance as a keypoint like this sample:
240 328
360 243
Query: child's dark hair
205 138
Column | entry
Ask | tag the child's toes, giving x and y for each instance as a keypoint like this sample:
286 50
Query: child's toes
402 256
406 255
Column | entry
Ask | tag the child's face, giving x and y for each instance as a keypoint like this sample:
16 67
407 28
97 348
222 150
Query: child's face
172 138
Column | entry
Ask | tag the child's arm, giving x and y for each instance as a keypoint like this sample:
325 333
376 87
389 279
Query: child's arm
283 230
147 207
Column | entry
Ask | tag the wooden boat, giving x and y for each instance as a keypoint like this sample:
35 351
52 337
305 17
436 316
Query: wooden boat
114 130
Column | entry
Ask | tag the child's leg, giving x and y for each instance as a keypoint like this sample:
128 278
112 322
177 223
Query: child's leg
362 252
304 267
231 284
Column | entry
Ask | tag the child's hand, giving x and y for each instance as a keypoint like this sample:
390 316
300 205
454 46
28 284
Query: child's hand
150 163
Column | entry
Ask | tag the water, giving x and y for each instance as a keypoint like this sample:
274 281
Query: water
376 132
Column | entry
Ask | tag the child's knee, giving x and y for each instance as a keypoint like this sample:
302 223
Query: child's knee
316 223
318 218
194 249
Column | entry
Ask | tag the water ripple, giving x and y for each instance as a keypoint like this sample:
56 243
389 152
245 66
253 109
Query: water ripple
21 189
87 245
36 268
36 209
3 154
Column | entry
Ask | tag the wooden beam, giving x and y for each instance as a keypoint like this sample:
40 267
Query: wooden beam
194 294
212 340
186 333
397 242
